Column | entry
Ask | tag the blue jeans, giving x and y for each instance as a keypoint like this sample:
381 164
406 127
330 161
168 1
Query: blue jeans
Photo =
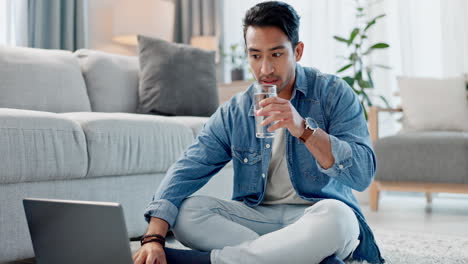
284 233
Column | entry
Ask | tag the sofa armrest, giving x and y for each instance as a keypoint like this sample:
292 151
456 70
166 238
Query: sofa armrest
373 120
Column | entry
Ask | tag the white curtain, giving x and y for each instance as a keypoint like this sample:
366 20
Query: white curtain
13 22
426 37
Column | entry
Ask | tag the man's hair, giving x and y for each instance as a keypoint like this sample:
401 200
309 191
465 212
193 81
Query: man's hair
275 14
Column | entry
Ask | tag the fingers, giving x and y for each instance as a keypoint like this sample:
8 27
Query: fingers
275 117
151 259
138 258
277 125
271 100
264 111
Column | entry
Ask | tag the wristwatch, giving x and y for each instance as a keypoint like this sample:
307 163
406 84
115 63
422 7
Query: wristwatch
311 127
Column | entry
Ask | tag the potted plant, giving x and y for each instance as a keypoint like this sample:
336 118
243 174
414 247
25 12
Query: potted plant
237 59
356 62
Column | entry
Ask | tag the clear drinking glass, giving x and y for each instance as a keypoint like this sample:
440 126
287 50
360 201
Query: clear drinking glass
263 91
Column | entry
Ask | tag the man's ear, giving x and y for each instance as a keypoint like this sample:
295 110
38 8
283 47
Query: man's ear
298 50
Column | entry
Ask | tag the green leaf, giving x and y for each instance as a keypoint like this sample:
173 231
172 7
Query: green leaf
353 35
369 76
361 82
379 16
341 39
360 9
369 24
350 81
383 66
364 84
353 57
380 45
372 22
344 68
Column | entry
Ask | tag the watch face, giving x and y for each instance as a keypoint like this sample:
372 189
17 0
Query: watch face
311 123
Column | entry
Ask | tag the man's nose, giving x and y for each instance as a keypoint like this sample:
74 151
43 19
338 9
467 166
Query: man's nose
267 67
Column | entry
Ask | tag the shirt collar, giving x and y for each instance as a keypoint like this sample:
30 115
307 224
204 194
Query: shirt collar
301 80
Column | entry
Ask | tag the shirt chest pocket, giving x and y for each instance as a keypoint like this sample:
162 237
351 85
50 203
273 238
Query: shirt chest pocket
247 170
246 157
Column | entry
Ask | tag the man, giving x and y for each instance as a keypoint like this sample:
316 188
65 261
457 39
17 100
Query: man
292 199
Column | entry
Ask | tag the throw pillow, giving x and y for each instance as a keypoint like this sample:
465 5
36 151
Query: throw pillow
176 79
434 104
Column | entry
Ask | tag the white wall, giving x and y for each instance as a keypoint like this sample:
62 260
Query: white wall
101 30
101 21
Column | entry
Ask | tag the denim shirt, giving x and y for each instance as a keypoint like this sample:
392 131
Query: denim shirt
229 134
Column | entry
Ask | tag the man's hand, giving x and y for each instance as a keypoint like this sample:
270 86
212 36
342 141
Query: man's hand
281 110
150 253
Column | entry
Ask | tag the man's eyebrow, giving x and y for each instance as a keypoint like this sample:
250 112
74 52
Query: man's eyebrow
254 50
278 47
274 48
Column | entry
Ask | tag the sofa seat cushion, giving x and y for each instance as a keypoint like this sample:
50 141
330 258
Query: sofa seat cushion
41 80
195 123
123 143
40 146
438 157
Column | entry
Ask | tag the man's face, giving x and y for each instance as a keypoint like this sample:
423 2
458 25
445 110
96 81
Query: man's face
271 56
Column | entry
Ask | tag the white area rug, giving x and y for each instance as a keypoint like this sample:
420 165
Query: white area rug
406 248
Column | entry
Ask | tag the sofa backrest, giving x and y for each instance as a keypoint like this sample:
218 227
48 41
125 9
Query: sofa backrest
42 80
111 80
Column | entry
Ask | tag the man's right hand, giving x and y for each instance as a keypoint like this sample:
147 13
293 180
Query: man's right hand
150 253
153 252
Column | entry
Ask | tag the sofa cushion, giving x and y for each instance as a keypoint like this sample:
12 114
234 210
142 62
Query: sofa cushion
195 123
111 80
122 143
434 104
176 79
40 146
439 157
43 80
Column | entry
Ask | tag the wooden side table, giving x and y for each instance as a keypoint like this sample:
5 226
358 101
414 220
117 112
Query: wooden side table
227 90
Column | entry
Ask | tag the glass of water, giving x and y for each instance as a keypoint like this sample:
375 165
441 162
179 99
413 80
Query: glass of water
263 91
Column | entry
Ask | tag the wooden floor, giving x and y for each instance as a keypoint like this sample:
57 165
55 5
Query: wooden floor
447 215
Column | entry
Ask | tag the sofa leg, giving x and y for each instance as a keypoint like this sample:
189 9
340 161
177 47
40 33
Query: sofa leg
374 196
428 197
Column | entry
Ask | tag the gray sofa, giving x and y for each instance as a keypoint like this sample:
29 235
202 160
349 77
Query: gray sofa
418 161
68 130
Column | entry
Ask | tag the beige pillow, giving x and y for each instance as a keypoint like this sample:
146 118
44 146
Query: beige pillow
434 104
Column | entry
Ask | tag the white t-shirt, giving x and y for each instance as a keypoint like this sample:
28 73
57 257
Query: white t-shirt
279 187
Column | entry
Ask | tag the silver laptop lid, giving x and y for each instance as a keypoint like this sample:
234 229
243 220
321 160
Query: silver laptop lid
65 231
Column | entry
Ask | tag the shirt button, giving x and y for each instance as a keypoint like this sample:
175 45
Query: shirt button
267 146
263 175
340 166
246 160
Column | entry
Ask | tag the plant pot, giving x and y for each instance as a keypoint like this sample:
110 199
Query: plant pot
237 74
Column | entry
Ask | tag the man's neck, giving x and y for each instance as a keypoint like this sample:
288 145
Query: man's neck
286 93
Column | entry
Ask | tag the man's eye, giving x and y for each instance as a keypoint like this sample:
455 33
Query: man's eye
277 54
255 56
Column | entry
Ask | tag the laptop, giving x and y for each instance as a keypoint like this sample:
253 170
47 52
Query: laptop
77 232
